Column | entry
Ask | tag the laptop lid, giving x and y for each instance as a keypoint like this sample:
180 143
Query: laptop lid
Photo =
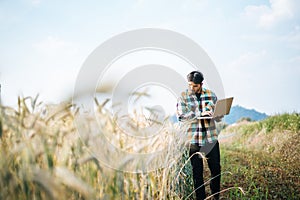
222 108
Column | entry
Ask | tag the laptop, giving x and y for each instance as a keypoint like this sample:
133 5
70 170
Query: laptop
222 108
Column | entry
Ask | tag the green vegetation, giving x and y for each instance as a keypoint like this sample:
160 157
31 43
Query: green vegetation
263 158
280 123
42 156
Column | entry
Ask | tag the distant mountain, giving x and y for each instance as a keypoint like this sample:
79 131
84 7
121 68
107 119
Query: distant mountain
238 112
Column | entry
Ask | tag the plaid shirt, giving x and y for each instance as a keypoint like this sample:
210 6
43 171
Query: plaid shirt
189 107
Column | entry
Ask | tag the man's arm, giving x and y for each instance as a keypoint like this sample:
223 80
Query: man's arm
184 112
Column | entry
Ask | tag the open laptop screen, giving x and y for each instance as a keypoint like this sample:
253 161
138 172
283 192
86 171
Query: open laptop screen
222 108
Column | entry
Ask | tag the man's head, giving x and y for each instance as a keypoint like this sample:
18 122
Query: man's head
195 79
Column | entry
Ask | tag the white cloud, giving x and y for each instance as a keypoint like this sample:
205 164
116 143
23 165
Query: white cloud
35 2
280 10
269 16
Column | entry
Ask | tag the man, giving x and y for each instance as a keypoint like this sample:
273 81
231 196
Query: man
193 103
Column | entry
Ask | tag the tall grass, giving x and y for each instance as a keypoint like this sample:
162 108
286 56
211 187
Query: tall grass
264 158
280 123
45 153
60 152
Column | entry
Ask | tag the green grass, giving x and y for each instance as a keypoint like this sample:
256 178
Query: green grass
260 175
263 158
279 123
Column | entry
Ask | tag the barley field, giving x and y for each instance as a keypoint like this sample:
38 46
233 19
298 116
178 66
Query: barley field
60 152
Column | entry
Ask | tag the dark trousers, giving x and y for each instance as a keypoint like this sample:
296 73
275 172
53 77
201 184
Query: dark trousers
212 152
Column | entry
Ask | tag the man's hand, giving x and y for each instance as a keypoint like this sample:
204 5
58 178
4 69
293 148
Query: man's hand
218 119
206 113
193 108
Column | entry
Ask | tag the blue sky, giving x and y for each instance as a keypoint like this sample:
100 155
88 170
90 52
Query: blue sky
255 45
